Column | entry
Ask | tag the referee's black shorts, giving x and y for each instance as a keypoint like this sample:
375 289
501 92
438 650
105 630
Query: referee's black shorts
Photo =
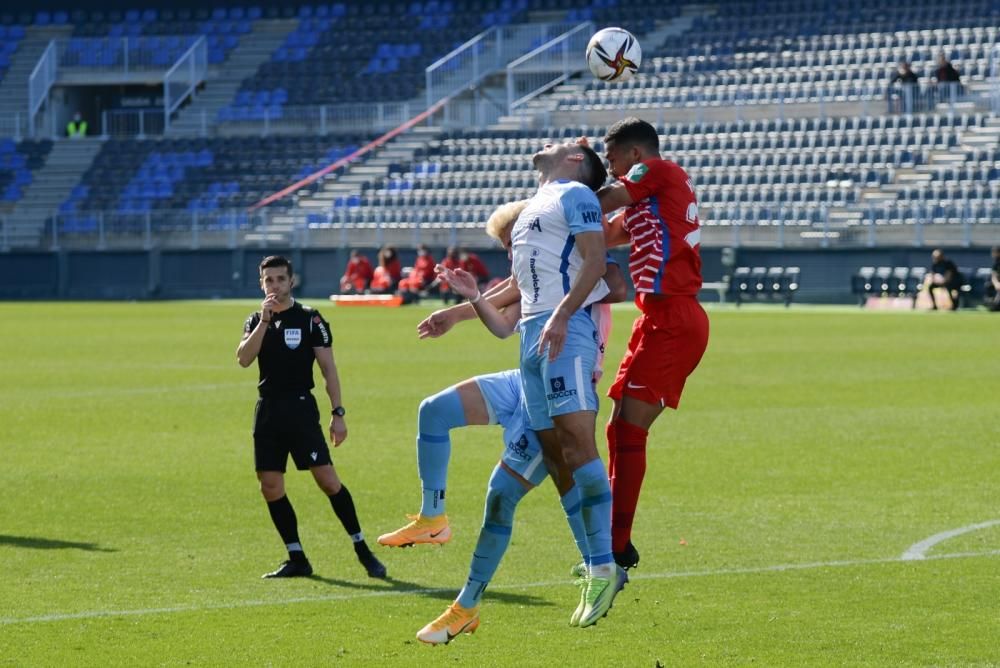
285 426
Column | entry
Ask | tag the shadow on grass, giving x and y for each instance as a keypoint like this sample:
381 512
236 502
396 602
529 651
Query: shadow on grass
391 584
36 543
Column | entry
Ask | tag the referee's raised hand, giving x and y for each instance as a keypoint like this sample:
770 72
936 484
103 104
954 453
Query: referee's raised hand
267 307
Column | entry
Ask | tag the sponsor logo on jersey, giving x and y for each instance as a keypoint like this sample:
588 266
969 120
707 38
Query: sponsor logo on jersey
536 225
519 447
536 286
559 391
637 172
293 337
324 332
589 214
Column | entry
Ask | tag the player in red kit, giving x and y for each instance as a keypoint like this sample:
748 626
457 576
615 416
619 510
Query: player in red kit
660 224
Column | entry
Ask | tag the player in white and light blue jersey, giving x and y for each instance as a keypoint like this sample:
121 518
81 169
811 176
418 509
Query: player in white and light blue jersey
557 248
492 399
488 399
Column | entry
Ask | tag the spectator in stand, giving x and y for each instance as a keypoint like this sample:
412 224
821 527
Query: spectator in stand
993 286
421 276
908 79
387 273
944 274
472 264
949 81
76 128
357 275
452 261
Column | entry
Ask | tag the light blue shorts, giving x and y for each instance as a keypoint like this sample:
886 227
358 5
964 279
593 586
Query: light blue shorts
505 403
565 384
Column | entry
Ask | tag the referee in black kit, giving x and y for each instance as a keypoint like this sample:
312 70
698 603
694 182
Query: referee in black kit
285 337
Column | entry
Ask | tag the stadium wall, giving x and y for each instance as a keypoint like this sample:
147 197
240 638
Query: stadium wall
232 273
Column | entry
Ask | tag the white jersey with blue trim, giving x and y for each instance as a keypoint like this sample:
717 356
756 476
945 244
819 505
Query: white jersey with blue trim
546 260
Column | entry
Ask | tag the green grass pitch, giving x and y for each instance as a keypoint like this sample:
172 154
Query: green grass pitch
813 448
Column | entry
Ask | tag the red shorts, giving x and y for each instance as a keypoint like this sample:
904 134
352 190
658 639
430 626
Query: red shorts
668 340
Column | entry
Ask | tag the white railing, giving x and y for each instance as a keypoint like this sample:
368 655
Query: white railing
547 66
132 122
40 82
724 103
186 74
484 54
13 125
122 55
780 226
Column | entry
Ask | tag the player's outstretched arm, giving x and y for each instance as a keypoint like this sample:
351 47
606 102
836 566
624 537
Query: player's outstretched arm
441 321
614 196
500 323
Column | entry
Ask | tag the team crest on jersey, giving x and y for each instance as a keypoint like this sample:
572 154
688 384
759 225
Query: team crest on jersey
637 172
293 337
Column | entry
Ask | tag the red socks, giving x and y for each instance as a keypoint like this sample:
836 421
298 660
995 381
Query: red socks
627 467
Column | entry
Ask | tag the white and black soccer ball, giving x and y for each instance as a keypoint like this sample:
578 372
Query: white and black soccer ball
614 54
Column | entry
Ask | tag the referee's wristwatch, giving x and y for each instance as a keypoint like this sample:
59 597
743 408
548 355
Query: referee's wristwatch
339 411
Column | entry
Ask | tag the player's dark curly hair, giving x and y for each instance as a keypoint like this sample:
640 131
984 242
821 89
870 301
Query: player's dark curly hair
592 172
634 132
276 261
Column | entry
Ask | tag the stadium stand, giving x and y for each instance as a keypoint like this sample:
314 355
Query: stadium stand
857 174
10 38
152 37
192 175
18 162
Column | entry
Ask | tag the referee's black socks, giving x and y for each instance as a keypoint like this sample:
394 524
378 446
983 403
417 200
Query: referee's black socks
343 505
283 516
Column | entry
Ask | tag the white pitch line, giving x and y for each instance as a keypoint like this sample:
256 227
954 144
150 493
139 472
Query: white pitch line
778 568
919 550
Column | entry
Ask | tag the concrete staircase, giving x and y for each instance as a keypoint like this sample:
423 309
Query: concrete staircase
224 81
14 87
51 185
400 150
969 140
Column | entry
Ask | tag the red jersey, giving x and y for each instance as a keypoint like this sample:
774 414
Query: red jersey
423 269
475 266
358 268
662 224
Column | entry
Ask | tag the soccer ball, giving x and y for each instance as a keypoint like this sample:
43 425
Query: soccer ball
613 54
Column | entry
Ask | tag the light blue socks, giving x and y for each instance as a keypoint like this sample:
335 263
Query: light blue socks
438 415
502 496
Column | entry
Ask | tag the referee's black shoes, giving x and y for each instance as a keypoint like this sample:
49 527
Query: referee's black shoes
374 567
291 569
